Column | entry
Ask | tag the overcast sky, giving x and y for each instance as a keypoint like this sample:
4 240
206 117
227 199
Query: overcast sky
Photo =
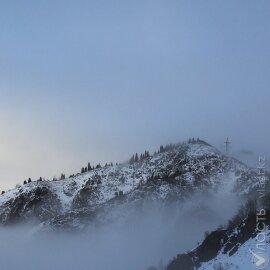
98 80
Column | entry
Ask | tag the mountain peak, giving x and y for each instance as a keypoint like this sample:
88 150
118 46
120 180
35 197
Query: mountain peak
171 174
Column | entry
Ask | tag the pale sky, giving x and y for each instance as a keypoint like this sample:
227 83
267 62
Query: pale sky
98 80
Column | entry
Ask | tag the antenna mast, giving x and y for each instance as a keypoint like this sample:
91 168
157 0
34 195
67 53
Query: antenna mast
227 146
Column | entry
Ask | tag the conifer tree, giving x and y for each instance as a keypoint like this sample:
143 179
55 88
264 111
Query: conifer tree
132 159
89 167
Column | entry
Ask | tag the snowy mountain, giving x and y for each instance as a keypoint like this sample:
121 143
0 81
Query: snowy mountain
243 244
243 258
171 175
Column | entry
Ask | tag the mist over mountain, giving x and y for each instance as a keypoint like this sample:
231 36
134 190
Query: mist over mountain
134 135
125 216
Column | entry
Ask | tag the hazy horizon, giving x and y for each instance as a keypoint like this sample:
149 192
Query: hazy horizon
97 81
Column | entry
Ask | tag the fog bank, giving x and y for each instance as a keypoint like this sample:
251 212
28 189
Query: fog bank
136 241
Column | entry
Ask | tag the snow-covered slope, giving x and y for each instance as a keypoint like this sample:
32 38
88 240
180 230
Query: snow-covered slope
244 243
247 257
244 258
171 175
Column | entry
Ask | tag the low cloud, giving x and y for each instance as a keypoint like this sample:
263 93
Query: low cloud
136 240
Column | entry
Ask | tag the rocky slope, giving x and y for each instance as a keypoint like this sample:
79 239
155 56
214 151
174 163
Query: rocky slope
243 244
171 175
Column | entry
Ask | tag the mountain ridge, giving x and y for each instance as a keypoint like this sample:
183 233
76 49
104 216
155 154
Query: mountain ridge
173 174
227 248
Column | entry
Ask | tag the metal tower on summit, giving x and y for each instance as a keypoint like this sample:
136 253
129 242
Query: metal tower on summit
227 146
